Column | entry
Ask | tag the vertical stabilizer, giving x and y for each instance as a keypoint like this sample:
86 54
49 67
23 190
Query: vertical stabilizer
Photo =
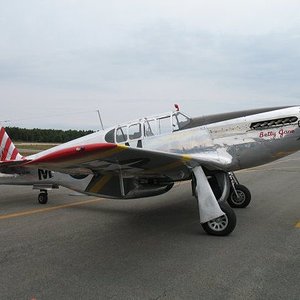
8 151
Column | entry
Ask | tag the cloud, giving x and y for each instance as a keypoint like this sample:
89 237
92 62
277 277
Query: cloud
210 57
163 50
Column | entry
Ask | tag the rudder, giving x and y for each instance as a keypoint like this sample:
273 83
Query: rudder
8 151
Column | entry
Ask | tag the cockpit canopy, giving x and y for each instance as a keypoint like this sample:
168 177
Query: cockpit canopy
148 127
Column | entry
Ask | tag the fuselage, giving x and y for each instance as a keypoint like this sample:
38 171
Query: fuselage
242 139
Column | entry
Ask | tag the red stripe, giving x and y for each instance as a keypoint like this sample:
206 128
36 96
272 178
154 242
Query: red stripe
74 152
5 151
2 132
14 154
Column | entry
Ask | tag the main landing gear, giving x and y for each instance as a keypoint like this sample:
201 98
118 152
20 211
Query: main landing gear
239 196
43 197
216 216
217 193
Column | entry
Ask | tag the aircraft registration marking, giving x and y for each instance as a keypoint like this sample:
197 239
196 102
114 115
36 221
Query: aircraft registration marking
41 210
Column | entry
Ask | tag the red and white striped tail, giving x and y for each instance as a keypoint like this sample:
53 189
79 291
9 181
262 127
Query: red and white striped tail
8 151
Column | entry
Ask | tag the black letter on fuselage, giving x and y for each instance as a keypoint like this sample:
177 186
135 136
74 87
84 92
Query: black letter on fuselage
44 174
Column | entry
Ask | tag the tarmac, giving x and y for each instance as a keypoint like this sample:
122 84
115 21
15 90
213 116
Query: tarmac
79 247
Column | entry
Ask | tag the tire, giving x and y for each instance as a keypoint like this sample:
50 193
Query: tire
223 225
244 197
43 198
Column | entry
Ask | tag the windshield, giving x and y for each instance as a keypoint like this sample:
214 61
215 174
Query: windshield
179 121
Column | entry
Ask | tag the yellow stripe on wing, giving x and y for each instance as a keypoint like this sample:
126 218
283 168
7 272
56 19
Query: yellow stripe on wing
98 186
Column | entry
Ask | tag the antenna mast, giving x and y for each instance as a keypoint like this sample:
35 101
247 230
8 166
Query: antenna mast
98 111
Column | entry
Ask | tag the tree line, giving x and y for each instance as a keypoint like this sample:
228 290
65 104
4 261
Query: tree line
44 135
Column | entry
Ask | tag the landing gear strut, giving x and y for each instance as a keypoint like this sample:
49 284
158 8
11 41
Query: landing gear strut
240 196
43 197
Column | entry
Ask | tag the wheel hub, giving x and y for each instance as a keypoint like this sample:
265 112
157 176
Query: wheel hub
239 198
218 224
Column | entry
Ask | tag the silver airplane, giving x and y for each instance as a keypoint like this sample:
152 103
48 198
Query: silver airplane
148 156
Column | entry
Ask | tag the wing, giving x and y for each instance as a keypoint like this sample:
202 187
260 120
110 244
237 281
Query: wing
104 158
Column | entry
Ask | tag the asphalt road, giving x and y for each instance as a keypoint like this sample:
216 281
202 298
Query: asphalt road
79 247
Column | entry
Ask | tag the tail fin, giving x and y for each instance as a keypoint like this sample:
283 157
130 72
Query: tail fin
8 151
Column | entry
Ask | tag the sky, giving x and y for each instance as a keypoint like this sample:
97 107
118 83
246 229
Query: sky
62 60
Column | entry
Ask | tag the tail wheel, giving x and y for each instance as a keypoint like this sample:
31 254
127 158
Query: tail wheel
43 198
223 225
241 198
